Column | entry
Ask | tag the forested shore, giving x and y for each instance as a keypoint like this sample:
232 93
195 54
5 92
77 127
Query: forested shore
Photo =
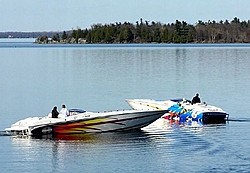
144 31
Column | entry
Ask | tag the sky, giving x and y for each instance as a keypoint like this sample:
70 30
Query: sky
60 15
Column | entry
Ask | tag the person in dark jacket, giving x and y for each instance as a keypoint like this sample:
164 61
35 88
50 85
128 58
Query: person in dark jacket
196 99
54 112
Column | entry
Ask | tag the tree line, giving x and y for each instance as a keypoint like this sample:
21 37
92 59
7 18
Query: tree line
144 31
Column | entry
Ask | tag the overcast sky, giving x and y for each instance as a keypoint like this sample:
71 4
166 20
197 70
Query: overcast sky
59 15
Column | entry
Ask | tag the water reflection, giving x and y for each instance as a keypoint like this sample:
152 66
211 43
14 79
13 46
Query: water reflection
161 142
56 152
104 138
55 157
165 126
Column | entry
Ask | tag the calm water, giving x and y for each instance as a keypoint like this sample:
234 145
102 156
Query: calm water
34 78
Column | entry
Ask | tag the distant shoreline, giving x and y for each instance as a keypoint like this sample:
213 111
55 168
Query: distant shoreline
33 41
26 34
234 31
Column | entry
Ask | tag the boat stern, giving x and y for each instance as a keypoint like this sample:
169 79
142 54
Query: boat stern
214 117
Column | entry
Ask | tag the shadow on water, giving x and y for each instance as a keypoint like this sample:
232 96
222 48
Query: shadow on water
94 137
175 123
190 124
91 138
240 120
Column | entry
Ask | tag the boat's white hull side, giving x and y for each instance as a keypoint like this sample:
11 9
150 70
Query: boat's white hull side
87 122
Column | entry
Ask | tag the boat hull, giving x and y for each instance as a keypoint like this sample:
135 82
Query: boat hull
92 122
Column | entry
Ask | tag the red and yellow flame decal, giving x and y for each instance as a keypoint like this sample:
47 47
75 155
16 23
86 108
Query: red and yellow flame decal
80 127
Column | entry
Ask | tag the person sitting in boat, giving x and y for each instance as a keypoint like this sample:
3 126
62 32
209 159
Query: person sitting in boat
196 99
54 112
64 111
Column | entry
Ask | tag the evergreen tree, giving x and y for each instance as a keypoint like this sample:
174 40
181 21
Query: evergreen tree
56 37
64 35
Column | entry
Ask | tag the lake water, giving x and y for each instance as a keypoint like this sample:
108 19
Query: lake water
34 78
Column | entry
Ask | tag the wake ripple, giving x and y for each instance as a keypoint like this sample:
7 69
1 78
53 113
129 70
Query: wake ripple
240 120
4 133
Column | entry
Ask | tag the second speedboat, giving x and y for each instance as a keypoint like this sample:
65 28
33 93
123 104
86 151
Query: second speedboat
182 110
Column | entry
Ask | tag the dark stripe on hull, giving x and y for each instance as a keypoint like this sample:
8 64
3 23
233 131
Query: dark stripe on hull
214 118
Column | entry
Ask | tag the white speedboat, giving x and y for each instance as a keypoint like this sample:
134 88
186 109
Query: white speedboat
182 110
81 121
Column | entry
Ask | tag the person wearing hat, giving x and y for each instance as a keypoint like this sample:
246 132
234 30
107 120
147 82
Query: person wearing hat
196 99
